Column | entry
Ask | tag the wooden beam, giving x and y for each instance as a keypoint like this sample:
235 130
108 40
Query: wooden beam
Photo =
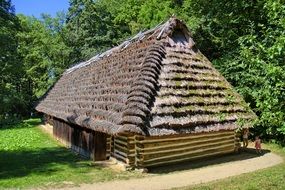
162 139
122 158
188 153
187 143
125 154
171 161
183 149
117 141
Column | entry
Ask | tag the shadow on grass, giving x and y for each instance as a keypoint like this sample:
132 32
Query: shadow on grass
244 154
41 162
21 124
33 122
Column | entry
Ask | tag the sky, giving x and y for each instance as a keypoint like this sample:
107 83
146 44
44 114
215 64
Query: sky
36 7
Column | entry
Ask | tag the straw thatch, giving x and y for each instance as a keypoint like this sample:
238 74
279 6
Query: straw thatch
156 83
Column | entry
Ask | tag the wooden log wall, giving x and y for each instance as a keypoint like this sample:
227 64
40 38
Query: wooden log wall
141 151
123 148
88 143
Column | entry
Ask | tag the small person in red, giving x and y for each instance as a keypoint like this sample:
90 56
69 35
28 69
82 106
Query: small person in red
257 143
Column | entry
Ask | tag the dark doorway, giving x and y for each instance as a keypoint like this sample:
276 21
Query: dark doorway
100 146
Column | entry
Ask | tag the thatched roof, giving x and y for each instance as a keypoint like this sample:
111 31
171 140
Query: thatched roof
156 83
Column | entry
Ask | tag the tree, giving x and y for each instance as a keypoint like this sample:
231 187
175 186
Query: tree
43 51
90 29
11 84
141 15
256 68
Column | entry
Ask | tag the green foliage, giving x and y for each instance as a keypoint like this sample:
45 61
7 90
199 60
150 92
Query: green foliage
43 52
14 94
33 55
141 15
222 22
91 29
256 69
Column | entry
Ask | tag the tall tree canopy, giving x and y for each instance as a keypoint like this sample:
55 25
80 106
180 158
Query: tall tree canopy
42 49
256 68
91 29
12 101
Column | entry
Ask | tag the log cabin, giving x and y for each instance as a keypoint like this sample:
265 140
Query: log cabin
153 100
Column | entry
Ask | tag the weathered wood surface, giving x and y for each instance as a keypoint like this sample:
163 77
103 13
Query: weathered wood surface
124 148
141 151
100 143
88 143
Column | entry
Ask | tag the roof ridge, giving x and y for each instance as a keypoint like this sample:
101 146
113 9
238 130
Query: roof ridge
162 27
140 100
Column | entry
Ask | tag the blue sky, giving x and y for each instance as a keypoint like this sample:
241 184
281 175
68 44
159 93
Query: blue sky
36 7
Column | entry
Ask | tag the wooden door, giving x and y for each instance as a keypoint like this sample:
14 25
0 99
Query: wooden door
100 146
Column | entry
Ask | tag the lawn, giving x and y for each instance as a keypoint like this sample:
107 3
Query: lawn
270 179
31 158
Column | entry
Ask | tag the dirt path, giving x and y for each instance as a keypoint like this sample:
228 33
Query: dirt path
189 177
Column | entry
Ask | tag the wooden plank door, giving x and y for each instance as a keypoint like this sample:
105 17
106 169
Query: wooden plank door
100 146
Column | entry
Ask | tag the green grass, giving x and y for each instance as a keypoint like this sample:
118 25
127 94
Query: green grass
269 179
31 158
